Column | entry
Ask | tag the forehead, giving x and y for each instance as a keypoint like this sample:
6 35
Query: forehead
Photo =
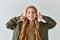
30 9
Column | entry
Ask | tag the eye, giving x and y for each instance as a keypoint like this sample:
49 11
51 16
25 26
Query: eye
33 12
28 12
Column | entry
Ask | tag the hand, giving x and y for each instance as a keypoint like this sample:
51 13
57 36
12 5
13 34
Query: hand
40 16
22 18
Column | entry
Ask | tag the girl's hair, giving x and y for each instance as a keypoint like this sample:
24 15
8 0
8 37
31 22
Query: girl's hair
26 22
31 7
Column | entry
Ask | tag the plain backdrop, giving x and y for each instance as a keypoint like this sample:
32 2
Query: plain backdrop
12 8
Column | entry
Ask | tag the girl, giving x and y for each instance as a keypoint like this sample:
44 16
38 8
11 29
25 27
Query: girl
28 28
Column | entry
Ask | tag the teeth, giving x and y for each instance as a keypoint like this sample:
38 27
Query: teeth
31 17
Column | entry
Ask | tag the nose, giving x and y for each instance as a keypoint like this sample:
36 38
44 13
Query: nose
31 13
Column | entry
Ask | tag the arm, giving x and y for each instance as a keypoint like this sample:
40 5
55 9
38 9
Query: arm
50 23
12 23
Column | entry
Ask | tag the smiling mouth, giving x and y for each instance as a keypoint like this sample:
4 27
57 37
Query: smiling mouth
32 17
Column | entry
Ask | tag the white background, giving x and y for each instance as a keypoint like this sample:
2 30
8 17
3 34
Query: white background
12 8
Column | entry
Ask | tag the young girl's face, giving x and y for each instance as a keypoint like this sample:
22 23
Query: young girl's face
31 14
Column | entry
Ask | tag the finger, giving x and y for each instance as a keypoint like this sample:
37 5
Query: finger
21 14
25 16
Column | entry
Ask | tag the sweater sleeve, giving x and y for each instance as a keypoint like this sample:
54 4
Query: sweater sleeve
50 23
12 23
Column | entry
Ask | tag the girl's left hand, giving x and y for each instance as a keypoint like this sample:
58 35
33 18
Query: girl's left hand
40 16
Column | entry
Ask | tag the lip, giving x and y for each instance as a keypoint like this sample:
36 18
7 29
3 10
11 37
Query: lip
32 17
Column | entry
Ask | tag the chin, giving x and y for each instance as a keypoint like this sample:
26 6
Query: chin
31 18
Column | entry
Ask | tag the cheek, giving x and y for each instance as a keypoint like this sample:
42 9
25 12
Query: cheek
27 14
35 15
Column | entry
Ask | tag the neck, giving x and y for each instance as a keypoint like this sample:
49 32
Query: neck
31 21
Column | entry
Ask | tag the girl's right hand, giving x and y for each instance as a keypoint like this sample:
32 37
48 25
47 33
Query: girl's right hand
22 18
